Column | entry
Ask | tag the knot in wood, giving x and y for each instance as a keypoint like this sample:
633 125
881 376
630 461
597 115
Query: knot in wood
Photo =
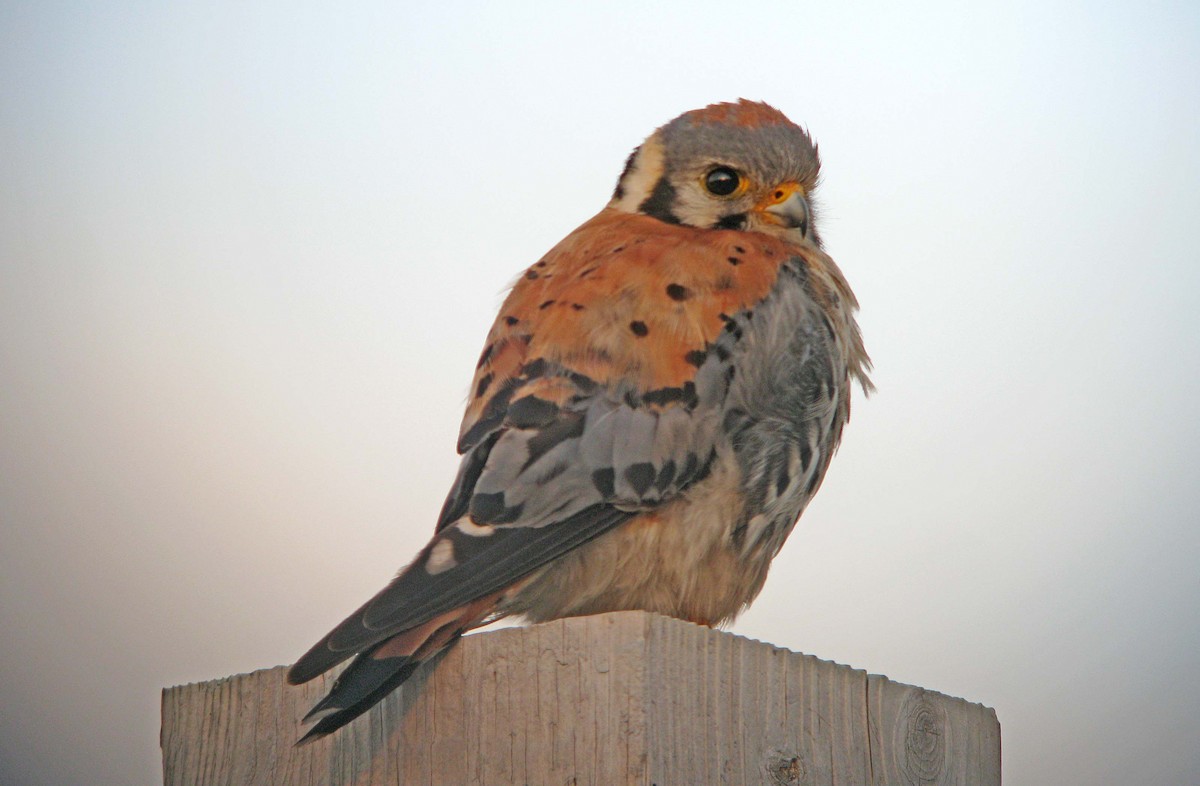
784 768
923 726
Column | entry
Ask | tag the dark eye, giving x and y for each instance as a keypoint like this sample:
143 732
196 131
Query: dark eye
722 181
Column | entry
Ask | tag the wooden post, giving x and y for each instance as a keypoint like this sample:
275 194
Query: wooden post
622 698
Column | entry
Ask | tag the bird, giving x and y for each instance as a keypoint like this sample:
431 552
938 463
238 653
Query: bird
655 405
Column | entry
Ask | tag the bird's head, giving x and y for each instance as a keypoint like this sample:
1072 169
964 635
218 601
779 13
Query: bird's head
737 165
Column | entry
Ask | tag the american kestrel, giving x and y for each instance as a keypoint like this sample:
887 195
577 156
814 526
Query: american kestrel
656 403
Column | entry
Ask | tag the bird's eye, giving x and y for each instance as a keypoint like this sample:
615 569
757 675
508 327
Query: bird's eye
722 181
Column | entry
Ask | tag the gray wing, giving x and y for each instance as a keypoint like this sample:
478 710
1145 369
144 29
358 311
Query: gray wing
541 479
784 414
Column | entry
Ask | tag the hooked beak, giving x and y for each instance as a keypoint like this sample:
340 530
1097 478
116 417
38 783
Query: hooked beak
785 205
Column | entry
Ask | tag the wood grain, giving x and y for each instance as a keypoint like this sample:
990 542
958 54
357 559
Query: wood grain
622 698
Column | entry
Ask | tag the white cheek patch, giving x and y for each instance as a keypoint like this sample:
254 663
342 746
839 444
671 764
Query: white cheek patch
698 209
643 175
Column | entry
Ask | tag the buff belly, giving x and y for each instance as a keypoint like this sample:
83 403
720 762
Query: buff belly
679 560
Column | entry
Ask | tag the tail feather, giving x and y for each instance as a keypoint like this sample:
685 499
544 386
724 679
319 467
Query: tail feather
364 682
380 669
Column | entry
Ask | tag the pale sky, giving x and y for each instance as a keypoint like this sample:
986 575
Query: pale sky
248 258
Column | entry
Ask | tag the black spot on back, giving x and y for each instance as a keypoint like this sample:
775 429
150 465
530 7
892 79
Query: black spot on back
567 427
582 381
492 417
664 395
484 506
678 292
640 476
690 399
534 368
604 481
482 387
531 412
490 509
639 328
665 475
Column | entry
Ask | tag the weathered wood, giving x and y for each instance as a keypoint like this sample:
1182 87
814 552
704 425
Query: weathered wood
624 698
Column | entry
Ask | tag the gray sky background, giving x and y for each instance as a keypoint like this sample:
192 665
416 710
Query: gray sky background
248 257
